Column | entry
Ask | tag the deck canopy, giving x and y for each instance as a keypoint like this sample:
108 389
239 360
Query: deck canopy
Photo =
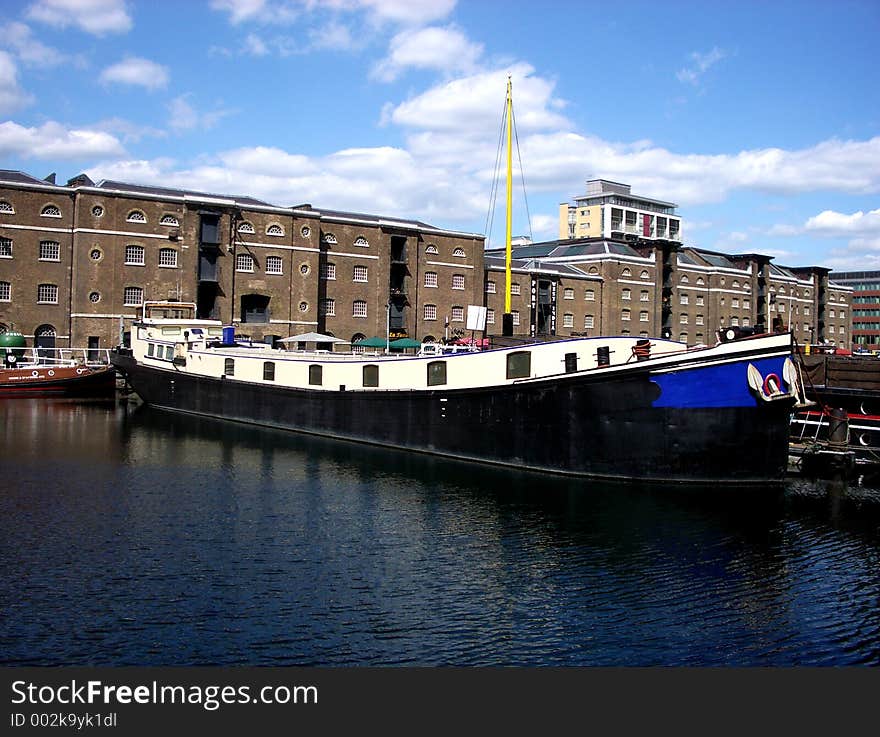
312 338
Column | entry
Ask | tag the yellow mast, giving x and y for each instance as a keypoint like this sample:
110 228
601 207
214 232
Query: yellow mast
507 306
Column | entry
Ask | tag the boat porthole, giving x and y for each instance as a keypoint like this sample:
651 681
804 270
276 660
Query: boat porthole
51 372
80 371
34 373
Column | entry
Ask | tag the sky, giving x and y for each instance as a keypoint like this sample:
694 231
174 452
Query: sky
760 120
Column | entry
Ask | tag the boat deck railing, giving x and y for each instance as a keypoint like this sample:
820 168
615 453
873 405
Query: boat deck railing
63 357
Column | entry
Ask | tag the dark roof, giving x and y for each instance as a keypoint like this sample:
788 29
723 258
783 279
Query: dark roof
533 265
372 218
19 177
568 247
169 192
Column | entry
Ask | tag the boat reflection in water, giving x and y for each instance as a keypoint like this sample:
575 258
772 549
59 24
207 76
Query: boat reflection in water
148 538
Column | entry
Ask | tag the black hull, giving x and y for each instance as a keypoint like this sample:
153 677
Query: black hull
583 426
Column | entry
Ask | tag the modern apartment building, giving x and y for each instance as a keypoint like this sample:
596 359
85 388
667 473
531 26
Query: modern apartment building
610 210
865 306
77 261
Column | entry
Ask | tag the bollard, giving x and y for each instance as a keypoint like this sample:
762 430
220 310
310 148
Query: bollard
838 428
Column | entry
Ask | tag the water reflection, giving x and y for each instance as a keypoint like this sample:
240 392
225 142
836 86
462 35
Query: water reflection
167 539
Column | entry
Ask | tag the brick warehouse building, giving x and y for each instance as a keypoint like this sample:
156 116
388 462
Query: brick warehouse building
76 262
594 286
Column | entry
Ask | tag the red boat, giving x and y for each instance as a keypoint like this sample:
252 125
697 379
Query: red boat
57 381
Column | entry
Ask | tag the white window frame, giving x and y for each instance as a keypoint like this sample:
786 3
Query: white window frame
360 273
136 216
429 313
274 265
5 291
128 296
244 263
169 255
458 282
55 248
131 251
431 279
359 308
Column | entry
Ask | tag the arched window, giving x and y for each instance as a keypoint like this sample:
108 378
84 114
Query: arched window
431 250
229 367
685 279
354 339
246 227
169 220
275 229
50 211
44 336
6 207
136 216
361 242
329 239
459 253
626 272
645 274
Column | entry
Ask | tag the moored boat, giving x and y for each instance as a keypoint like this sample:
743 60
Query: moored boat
48 372
595 407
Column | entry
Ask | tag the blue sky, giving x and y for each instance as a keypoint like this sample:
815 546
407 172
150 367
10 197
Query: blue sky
761 120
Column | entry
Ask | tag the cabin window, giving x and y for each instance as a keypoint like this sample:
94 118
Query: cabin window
268 371
316 374
229 367
371 375
519 365
150 348
436 373
169 352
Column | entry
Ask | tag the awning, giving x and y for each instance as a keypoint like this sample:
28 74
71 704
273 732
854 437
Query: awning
371 343
312 338
404 343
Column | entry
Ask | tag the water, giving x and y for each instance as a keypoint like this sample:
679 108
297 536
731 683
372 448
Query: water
136 537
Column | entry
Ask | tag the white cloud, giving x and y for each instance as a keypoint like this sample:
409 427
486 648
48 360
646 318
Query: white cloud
92 16
136 71
860 229
241 10
128 130
377 12
54 141
184 117
12 97
835 224
410 12
473 106
444 49
20 38
701 64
